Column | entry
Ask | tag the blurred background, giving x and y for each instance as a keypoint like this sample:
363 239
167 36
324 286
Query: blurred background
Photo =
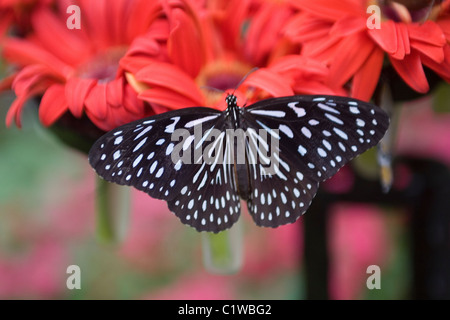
47 222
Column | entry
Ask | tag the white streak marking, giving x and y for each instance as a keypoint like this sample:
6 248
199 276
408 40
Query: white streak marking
195 122
269 113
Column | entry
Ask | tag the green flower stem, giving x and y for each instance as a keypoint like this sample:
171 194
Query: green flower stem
222 252
113 203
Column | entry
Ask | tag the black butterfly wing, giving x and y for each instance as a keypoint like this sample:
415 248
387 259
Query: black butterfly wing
142 154
316 136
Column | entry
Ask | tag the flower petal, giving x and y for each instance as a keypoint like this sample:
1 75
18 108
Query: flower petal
269 81
352 53
15 110
65 44
348 25
76 92
130 101
305 27
411 71
26 53
386 36
442 68
168 76
114 92
403 45
53 104
96 101
331 10
170 99
366 78
428 32
185 46
433 52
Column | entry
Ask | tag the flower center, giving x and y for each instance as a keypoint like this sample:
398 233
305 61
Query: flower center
102 66
221 75
408 10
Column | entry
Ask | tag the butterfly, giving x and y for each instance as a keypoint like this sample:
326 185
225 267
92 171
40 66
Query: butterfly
287 146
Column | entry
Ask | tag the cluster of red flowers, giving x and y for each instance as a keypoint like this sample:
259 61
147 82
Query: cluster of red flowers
135 58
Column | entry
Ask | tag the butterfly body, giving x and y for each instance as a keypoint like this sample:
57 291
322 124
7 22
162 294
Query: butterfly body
273 154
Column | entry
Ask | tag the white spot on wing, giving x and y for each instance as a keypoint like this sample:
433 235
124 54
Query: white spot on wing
300 112
286 130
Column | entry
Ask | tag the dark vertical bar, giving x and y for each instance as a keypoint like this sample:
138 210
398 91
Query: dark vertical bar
316 250
430 234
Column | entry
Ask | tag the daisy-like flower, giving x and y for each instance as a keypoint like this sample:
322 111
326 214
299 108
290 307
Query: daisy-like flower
77 71
355 36
216 45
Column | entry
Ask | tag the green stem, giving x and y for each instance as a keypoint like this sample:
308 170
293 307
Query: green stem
113 202
222 252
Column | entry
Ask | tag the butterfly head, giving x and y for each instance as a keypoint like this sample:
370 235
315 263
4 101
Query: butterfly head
231 101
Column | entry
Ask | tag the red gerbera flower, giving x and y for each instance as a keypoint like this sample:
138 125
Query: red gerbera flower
216 45
411 34
78 70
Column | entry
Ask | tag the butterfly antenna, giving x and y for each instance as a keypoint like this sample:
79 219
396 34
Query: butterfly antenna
212 89
244 78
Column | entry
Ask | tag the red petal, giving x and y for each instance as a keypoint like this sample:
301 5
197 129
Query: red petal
65 44
143 13
386 36
25 53
29 77
76 92
348 25
6 83
53 104
442 68
114 92
168 98
304 27
428 32
271 82
131 102
263 31
403 46
411 71
352 53
168 76
96 102
15 111
432 52
366 78
185 45
331 10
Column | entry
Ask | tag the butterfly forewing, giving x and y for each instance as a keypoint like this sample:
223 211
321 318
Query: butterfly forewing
141 154
320 134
